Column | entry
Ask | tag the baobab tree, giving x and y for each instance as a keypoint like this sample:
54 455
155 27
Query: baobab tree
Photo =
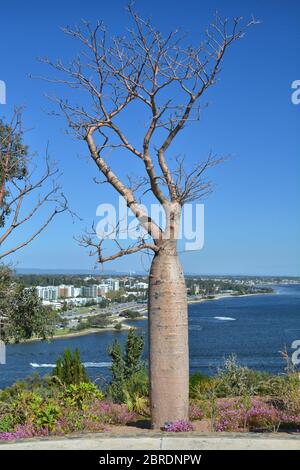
24 189
168 79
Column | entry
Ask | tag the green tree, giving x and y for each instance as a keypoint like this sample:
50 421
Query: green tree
117 372
13 154
127 366
99 321
69 369
132 314
22 314
133 351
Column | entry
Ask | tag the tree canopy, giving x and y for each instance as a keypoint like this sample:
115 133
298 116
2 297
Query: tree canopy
22 314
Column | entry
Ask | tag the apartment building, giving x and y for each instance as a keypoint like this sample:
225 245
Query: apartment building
48 293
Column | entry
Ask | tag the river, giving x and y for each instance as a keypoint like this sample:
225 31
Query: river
254 328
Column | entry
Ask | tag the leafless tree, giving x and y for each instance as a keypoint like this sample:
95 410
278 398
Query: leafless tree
21 198
168 79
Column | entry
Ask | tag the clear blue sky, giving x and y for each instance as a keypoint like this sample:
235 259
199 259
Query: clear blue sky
252 219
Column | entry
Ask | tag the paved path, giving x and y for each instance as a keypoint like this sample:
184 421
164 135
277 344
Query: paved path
163 442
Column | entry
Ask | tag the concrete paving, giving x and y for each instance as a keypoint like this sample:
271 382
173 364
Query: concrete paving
162 442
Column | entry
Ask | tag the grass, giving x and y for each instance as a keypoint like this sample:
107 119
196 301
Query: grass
62 331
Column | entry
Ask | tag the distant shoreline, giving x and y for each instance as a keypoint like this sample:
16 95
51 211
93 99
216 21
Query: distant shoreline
226 296
89 331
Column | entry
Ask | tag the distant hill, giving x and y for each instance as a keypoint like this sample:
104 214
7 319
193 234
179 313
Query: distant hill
75 271
111 272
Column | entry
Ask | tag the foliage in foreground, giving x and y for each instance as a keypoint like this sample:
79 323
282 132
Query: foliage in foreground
236 399
240 399
45 408
21 311
129 382
178 426
69 369
234 380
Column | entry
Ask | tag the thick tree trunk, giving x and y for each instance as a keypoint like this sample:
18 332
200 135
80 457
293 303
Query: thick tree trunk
168 338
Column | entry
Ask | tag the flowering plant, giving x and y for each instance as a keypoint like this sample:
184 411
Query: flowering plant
178 426
195 413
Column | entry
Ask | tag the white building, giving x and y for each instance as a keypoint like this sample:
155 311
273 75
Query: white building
113 284
48 292
141 285
54 305
103 289
81 301
91 291
77 291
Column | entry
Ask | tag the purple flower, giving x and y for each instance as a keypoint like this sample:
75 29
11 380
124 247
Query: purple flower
22 432
111 413
178 426
233 415
195 413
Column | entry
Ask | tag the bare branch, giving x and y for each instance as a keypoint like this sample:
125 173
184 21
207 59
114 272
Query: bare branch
162 75
147 223
89 240
18 187
194 185
34 235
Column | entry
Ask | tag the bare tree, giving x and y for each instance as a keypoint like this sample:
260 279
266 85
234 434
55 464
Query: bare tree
20 196
168 78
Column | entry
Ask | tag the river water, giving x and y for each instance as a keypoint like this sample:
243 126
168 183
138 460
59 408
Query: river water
254 328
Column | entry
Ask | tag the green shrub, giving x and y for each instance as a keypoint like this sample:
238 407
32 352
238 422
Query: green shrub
132 314
287 394
199 384
99 321
69 369
136 402
6 423
128 370
116 386
235 380
30 407
136 392
80 394
46 415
